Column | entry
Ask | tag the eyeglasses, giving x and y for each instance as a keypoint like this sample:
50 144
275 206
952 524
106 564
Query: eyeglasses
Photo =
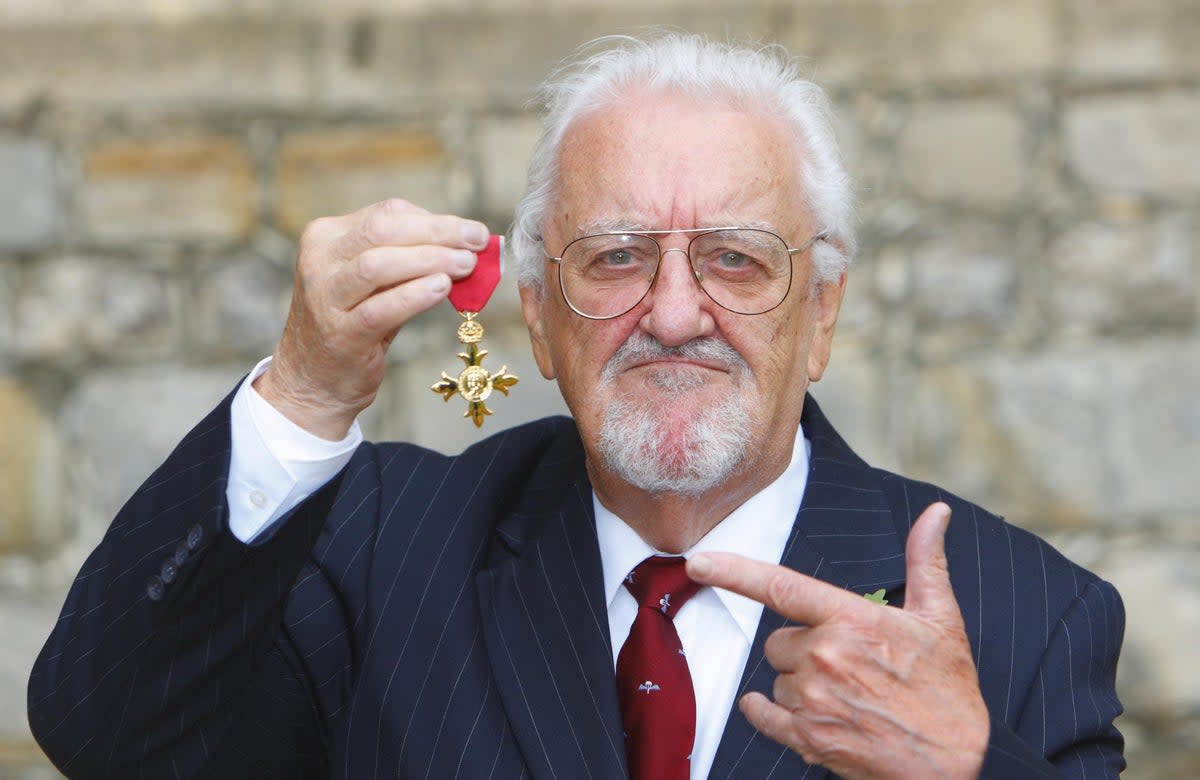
744 270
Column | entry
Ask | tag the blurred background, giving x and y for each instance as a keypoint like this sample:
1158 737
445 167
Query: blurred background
1021 324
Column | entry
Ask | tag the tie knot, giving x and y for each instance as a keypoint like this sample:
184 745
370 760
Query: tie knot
661 584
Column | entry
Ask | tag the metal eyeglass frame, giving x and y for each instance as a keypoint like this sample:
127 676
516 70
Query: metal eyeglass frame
696 233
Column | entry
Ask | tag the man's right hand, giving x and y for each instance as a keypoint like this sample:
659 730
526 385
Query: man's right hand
359 279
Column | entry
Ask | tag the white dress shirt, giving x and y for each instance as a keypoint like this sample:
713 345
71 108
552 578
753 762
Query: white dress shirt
275 464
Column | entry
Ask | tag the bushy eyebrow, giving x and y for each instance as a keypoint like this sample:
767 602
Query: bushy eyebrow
620 225
610 226
760 224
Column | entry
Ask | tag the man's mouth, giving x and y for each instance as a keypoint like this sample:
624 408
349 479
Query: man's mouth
680 362
642 351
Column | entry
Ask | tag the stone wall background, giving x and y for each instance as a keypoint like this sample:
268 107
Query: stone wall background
1021 325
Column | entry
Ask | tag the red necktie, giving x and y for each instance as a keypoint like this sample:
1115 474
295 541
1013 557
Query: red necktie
654 686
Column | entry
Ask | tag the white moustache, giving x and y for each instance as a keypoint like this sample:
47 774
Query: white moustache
640 348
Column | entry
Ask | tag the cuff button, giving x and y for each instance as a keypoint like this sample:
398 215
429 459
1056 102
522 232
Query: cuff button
154 588
194 536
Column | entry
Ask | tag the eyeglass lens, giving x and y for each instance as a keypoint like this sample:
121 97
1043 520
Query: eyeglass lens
746 271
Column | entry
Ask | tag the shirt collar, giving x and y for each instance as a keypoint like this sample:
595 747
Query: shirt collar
757 529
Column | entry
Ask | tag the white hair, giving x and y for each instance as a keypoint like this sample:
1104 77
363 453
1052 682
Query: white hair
765 79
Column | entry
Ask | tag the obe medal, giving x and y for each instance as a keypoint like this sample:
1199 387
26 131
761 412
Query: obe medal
475 383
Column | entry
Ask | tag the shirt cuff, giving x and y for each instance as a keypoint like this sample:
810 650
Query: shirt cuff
274 463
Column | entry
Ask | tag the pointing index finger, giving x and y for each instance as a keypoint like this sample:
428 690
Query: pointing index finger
790 593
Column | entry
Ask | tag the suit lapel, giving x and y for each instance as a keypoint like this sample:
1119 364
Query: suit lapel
546 631
844 534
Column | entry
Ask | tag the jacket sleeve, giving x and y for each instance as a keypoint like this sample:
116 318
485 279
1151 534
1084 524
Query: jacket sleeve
1065 729
171 652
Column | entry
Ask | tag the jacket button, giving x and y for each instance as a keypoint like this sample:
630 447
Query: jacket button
181 553
194 537
154 588
169 571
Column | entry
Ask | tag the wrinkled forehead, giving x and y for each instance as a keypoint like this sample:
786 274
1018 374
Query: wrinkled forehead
675 162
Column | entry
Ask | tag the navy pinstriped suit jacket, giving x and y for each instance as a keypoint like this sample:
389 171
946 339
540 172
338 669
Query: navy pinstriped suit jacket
442 617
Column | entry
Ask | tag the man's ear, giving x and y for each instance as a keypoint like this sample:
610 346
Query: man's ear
828 302
531 308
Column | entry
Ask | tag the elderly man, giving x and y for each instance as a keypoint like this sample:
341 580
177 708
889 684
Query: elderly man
279 600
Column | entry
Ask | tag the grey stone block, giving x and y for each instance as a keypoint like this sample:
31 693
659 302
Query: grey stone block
1070 437
74 307
240 307
910 43
969 152
30 207
1139 144
1124 40
149 61
964 292
487 57
968 274
180 188
338 171
503 146
1125 278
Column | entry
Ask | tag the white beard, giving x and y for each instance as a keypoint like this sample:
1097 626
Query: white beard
640 446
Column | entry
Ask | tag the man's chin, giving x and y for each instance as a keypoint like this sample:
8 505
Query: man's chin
686 445
680 384
676 416
677 461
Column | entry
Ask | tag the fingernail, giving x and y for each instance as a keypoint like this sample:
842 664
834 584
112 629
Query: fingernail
943 520
475 234
438 283
699 566
464 262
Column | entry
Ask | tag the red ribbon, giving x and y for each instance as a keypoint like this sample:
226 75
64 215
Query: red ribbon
473 292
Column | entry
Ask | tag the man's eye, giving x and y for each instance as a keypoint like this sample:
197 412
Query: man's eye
733 260
617 257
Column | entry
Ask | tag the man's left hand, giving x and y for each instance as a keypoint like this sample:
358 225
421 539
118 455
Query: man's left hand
866 690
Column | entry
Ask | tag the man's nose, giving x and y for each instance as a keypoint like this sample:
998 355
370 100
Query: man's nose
678 308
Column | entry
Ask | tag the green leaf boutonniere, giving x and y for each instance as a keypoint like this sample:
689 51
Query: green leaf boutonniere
877 596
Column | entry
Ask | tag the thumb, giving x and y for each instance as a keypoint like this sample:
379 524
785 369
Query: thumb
927 590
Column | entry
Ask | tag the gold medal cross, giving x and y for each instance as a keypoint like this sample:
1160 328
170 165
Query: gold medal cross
474 383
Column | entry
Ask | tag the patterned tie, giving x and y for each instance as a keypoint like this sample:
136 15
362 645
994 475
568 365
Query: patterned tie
654 686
